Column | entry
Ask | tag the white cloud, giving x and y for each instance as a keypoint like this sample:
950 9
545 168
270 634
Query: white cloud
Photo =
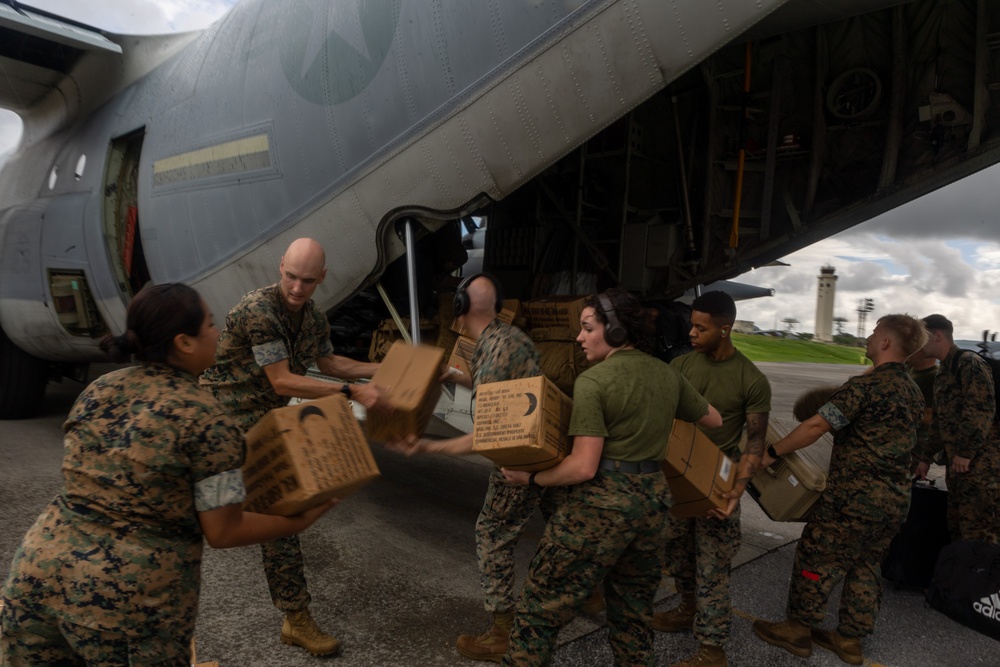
138 16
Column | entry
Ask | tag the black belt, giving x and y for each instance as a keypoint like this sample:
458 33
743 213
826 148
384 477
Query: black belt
631 467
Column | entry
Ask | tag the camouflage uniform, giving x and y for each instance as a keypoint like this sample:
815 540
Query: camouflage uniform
502 352
928 442
699 551
609 528
260 331
110 571
875 418
963 420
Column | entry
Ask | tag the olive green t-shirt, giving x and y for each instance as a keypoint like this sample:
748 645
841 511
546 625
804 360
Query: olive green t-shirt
734 386
630 399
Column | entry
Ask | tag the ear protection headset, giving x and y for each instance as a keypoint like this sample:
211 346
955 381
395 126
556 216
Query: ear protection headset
615 334
462 302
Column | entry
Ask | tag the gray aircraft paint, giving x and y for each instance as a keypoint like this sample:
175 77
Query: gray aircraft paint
464 100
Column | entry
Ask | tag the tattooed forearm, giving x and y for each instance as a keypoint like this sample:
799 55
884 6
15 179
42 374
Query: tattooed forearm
756 434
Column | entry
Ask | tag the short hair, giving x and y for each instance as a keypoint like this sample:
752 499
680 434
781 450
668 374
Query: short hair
908 331
939 323
718 304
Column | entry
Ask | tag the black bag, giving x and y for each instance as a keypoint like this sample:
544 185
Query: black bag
913 553
966 585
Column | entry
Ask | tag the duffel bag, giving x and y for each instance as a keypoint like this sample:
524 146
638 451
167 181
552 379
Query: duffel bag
966 585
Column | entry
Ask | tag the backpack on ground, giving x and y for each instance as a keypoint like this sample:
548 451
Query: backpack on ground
966 585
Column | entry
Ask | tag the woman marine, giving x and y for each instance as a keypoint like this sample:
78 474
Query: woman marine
110 572
610 526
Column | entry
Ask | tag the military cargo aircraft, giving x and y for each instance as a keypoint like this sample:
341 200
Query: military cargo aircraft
658 145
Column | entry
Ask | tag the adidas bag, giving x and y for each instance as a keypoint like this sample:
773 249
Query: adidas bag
966 585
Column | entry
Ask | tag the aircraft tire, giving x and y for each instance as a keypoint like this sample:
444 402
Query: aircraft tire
22 381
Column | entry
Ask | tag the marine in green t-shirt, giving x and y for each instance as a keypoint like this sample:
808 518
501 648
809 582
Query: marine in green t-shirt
700 551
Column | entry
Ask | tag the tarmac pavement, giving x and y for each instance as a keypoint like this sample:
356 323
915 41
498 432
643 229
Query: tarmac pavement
392 569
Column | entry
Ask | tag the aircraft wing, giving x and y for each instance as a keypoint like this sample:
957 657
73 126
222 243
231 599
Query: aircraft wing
38 50
739 291
54 70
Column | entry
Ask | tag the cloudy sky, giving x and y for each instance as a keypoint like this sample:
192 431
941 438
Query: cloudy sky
936 254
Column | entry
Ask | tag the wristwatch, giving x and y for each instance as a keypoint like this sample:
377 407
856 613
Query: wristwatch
531 481
346 391
773 454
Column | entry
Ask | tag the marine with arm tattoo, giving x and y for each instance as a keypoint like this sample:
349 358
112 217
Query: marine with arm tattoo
700 551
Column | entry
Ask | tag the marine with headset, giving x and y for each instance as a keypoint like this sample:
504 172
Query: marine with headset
610 526
700 550
502 352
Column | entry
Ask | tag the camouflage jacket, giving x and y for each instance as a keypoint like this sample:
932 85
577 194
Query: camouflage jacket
503 352
119 549
259 332
964 406
875 418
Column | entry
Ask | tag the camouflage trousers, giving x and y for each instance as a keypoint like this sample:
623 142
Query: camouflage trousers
699 553
837 547
285 572
608 529
27 640
973 510
505 514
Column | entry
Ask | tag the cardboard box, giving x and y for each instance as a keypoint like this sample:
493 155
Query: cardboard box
697 471
410 374
555 311
302 455
461 356
788 489
522 424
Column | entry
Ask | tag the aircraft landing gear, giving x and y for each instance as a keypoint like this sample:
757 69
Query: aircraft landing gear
22 381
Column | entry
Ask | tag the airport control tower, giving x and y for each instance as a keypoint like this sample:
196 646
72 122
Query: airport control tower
824 303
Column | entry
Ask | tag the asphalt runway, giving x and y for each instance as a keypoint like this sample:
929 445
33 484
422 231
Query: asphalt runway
392 570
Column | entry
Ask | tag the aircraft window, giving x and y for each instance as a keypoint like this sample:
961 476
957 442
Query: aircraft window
53 176
81 164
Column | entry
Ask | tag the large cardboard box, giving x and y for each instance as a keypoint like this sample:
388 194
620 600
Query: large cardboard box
788 489
522 424
555 311
697 471
410 374
302 455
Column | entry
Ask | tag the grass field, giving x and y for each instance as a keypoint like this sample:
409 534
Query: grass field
766 348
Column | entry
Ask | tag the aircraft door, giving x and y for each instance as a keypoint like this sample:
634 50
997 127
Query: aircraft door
121 214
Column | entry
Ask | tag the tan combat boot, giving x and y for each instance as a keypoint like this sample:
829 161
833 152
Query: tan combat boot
678 619
847 649
299 629
707 656
790 635
492 644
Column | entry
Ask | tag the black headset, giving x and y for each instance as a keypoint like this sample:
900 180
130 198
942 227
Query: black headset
615 334
462 302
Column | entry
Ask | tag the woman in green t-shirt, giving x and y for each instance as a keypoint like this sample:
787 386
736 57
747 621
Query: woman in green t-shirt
610 526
